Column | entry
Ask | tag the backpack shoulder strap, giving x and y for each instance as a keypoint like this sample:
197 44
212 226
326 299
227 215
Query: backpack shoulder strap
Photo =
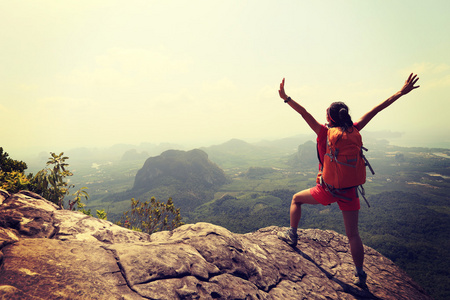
318 155
334 134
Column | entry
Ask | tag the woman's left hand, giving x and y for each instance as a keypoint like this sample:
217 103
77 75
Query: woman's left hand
409 84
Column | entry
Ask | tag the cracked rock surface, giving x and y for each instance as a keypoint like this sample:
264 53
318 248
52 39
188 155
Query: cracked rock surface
47 253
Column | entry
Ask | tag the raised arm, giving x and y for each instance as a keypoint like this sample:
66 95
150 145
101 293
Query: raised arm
407 87
315 126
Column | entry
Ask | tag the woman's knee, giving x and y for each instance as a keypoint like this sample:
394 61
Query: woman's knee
351 224
296 200
353 235
295 203
303 197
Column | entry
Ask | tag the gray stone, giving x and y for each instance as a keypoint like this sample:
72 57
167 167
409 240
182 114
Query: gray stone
47 253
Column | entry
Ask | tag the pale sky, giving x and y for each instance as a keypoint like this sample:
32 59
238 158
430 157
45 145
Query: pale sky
97 73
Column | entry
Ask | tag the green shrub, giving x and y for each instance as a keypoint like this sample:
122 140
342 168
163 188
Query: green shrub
150 217
13 181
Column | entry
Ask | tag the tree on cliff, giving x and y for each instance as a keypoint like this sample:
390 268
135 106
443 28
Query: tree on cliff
51 183
12 177
8 164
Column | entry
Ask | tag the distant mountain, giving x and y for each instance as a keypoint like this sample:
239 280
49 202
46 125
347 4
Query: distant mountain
306 156
133 154
239 154
189 177
289 143
236 146
232 146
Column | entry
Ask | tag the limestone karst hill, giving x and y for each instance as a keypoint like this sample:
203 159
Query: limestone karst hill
188 176
179 165
46 253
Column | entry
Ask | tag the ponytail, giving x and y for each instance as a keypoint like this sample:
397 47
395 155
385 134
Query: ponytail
339 116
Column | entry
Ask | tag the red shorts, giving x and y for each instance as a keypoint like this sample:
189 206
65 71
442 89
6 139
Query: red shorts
324 197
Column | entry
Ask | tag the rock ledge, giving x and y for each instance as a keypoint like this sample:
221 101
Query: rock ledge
47 253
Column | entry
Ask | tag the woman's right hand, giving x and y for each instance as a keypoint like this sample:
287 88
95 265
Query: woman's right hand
315 126
282 92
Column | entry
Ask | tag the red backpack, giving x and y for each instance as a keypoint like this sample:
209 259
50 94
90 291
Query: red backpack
344 164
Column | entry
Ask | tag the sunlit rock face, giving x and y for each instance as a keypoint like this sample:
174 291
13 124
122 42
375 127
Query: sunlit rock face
47 253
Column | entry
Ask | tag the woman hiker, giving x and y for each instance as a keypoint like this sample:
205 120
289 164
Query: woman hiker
337 116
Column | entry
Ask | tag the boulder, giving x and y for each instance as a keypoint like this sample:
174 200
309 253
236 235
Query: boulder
47 253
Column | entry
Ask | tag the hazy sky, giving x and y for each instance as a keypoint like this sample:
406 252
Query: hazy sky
97 73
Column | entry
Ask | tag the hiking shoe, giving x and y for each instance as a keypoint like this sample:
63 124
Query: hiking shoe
360 279
289 237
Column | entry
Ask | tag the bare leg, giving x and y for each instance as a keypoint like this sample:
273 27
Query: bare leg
351 229
303 197
298 199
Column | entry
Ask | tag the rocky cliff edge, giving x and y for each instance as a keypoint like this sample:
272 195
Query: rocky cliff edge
47 253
